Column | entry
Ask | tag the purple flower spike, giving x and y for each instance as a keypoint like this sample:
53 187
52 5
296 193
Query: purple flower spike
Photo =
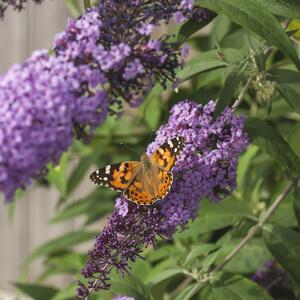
117 44
205 168
40 106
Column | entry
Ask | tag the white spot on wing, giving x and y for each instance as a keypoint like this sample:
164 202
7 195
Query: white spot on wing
170 144
107 169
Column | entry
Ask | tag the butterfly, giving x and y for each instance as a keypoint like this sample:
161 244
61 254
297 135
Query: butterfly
143 182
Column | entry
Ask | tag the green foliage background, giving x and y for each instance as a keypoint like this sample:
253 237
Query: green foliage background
249 55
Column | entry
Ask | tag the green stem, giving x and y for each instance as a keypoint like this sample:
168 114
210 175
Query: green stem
240 98
87 4
251 233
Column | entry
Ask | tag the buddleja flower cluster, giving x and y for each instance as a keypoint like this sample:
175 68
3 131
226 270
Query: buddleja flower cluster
115 38
205 168
104 57
15 4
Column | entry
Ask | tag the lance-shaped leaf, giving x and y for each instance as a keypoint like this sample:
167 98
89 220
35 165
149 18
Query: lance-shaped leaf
265 137
284 244
231 286
288 86
256 17
286 8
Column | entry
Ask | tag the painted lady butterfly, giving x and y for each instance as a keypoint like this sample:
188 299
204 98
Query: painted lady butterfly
146 181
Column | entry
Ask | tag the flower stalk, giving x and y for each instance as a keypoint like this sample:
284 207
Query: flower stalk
87 4
251 233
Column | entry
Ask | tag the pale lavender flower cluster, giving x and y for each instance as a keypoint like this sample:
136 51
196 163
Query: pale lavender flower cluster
121 297
205 168
41 102
15 4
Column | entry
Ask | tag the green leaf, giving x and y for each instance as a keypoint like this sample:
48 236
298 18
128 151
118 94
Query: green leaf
80 171
162 252
251 257
284 244
87 4
130 286
286 8
61 243
265 137
158 268
206 293
66 293
152 112
229 90
164 275
57 175
64 263
238 40
294 138
244 163
155 92
221 27
212 257
296 204
202 62
73 7
288 86
231 286
254 16
214 216
284 215
190 27
36 291
99 201
185 294
199 250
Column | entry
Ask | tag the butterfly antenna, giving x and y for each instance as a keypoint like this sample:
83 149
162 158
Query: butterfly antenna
128 148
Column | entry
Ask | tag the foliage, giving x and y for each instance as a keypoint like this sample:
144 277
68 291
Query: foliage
248 59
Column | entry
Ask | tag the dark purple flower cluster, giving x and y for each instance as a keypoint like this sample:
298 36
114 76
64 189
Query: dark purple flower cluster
270 276
115 38
15 4
205 168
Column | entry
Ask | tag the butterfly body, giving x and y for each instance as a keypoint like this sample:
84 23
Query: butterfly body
146 181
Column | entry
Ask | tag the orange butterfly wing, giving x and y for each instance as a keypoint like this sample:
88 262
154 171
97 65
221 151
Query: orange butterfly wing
137 194
165 184
117 176
166 155
126 176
